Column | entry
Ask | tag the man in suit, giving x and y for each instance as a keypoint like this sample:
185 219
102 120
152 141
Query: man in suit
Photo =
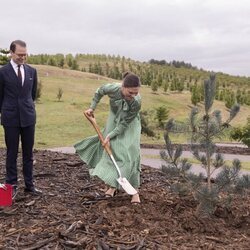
18 84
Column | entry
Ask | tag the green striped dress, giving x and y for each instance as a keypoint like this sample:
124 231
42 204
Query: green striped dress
124 129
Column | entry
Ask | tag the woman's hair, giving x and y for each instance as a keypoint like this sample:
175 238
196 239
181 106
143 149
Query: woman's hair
130 80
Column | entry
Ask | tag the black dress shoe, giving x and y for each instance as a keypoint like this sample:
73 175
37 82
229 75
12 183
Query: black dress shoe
33 191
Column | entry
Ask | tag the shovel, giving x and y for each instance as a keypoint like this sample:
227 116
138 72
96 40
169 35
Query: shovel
121 180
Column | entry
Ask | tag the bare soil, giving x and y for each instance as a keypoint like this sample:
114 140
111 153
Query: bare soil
73 213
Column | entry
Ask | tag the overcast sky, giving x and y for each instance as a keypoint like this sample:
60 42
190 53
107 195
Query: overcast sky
210 34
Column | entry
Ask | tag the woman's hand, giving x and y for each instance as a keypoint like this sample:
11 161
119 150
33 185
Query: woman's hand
90 112
106 141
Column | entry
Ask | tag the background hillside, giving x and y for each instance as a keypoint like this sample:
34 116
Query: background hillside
173 85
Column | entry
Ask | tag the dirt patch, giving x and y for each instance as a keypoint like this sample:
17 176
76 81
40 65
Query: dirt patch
73 214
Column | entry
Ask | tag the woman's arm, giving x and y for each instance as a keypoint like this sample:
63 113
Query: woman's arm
100 92
123 124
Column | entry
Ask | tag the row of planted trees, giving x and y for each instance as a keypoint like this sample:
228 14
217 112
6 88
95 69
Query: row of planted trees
159 75
170 81
228 96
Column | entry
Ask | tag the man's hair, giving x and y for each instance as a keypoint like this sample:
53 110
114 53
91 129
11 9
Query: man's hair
17 42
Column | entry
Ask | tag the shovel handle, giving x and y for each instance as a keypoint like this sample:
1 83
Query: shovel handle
92 120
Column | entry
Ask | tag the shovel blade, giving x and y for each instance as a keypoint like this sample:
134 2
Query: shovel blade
128 188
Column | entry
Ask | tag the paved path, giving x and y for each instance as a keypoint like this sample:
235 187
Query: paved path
151 157
147 152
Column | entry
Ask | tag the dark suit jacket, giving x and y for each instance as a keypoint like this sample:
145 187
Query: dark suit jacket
17 106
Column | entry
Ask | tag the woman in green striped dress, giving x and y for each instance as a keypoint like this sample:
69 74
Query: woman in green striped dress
122 132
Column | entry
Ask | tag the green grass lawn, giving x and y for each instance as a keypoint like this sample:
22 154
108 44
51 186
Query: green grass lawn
62 123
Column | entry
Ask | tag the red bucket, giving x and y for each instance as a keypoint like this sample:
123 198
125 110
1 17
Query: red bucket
5 195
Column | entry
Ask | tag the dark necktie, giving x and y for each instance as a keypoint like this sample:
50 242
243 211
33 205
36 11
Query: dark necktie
19 74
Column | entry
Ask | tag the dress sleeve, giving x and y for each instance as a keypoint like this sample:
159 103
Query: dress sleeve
100 92
123 124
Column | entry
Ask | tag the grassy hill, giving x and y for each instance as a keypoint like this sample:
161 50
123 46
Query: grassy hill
62 123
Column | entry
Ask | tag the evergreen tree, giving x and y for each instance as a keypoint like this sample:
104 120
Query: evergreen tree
52 61
130 67
106 69
74 65
229 99
180 86
4 56
145 128
247 98
61 63
239 98
69 62
39 90
154 86
116 72
195 96
172 85
242 133
201 92
59 94
204 129
165 85
147 79
161 115
159 79
100 72
90 68
95 68
217 91
123 65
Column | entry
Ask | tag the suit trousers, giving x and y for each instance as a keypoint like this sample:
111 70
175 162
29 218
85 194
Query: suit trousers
12 136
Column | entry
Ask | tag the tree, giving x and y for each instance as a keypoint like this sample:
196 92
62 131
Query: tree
69 60
59 94
90 68
165 85
154 86
39 90
242 133
159 79
145 128
179 85
61 63
204 129
107 69
4 56
74 65
229 99
52 61
161 115
195 97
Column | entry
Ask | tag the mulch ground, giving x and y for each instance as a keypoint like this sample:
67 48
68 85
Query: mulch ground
73 213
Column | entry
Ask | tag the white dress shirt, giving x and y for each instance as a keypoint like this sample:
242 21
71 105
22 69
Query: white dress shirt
15 67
